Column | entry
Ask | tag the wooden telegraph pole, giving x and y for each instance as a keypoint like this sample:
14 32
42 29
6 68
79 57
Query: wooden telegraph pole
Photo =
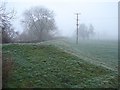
77 27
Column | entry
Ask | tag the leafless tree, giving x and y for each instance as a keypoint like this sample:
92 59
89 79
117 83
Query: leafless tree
39 23
91 30
7 31
86 32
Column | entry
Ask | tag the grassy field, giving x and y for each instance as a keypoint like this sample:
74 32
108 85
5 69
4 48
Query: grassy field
48 65
104 53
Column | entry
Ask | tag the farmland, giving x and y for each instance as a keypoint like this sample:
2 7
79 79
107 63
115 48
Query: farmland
60 64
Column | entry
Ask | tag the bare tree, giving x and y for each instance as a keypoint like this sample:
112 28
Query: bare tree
39 23
91 30
5 24
85 32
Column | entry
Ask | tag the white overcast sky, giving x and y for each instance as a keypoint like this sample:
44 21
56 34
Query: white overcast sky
102 14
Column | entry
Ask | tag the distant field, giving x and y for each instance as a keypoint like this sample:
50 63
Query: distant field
48 65
103 53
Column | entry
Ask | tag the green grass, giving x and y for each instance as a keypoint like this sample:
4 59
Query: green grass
104 53
42 65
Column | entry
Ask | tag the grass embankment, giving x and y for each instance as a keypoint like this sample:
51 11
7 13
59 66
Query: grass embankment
47 66
103 53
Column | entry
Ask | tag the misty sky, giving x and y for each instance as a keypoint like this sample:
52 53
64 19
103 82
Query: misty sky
102 14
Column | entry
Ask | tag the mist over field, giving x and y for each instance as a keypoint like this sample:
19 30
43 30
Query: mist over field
59 44
103 15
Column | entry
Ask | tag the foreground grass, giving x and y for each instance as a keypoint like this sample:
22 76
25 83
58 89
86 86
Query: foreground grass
47 66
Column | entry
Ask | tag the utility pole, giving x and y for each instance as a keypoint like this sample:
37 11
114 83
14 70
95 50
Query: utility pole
77 28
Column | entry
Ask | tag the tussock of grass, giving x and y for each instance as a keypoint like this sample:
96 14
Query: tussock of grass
47 66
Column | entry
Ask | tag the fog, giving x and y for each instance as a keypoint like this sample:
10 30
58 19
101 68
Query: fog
102 14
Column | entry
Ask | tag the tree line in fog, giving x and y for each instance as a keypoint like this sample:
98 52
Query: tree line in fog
38 25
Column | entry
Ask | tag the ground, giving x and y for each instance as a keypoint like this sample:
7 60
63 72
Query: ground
60 64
